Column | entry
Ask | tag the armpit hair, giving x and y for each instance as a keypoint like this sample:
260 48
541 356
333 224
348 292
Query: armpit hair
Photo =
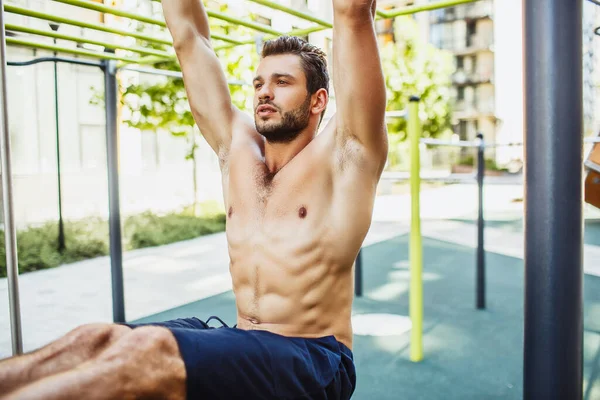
223 160
349 151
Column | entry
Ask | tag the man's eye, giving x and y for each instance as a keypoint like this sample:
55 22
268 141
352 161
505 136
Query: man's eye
258 86
282 82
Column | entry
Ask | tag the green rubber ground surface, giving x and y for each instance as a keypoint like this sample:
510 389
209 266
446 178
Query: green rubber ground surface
469 353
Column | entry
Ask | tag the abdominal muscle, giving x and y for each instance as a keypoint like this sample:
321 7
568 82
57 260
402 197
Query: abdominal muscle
295 296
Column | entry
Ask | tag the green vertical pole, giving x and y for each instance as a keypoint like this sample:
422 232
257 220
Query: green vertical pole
416 248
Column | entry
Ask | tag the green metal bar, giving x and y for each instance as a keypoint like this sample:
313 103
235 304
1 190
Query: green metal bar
115 11
60 49
380 15
140 50
291 11
149 60
304 32
125 14
99 27
248 24
420 8
225 39
112 10
297 32
416 246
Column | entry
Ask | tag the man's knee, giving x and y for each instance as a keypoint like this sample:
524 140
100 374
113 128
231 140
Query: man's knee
149 362
151 341
96 336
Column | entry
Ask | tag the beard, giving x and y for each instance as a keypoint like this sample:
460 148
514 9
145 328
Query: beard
290 126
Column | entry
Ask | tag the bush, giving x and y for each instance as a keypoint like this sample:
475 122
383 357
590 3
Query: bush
149 230
37 247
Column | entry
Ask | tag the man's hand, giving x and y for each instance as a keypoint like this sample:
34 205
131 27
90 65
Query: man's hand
350 7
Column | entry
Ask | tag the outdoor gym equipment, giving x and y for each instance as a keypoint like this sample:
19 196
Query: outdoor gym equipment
553 196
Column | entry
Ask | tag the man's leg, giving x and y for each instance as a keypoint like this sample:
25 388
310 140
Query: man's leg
144 363
73 349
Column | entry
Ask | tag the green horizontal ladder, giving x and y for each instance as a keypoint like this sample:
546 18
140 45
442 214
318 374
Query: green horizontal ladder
156 55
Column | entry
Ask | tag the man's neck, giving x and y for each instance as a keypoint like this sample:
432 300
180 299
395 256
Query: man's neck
277 155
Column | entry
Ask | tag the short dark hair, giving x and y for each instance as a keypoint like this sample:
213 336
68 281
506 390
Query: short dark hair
314 60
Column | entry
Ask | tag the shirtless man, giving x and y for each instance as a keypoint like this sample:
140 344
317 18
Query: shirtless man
298 208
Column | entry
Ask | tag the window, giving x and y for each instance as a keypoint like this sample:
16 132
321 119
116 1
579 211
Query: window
471 31
462 130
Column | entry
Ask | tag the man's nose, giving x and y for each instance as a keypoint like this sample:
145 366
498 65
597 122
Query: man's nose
265 93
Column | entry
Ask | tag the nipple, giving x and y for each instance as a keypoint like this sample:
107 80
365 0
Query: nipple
302 212
230 212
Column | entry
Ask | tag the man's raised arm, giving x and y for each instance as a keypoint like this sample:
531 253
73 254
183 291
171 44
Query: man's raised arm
205 81
358 76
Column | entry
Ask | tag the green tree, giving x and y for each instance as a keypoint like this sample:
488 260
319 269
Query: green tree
414 67
162 103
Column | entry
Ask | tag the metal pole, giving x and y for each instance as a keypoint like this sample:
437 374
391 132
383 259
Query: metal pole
142 18
81 40
358 275
10 234
480 225
416 247
51 59
61 227
83 24
553 331
112 150
70 50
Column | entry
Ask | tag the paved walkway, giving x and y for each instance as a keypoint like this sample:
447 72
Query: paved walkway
157 279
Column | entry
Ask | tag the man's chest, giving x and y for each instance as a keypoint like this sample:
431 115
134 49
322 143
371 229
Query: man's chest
295 201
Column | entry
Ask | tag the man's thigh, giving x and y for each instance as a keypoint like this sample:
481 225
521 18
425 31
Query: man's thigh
231 363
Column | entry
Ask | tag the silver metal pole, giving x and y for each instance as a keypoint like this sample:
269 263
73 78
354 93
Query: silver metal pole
112 150
10 234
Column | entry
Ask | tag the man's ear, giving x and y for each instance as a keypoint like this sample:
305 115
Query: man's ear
320 101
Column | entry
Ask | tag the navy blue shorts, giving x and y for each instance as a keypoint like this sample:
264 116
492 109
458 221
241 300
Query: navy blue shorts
231 363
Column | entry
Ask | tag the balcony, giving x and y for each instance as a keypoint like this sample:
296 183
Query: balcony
461 45
464 109
462 77
480 10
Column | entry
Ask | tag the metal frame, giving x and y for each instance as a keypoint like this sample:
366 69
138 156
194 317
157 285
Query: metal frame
553 234
259 28
109 66
553 331
78 39
553 248
10 233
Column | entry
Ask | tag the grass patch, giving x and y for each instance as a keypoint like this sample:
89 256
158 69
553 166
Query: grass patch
37 247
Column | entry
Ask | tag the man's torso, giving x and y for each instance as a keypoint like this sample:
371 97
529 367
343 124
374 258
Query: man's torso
293 236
